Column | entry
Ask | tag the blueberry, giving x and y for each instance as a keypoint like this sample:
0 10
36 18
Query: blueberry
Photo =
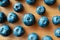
47 38
5 30
40 10
29 19
30 2
43 21
57 32
33 36
4 3
50 2
18 31
56 20
12 17
2 17
18 7
59 7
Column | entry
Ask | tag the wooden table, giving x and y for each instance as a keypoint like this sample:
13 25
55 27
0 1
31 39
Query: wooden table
50 12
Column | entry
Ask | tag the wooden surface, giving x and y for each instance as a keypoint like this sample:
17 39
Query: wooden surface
50 12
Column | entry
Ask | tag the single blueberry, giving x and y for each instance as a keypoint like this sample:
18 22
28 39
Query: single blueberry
29 19
12 17
50 2
59 7
57 32
47 38
33 36
18 7
4 3
2 17
56 20
43 21
18 31
40 10
30 2
5 30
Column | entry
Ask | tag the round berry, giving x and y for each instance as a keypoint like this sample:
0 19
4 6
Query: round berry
43 21
57 32
50 2
59 7
2 17
12 17
5 30
40 10
30 2
29 19
56 20
18 7
18 31
4 3
33 36
47 38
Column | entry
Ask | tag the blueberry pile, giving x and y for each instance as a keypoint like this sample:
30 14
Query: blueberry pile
28 19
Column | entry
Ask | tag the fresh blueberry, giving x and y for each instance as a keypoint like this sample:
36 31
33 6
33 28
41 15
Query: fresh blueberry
30 2
29 19
18 31
57 32
43 21
5 30
2 17
47 38
50 2
40 10
12 17
18 7
56 20
33 36
59 7
4 3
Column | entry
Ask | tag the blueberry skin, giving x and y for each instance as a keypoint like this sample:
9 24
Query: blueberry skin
30 2
50 2
12 17
56 20
59 7
47 38
43 21
29 19
4 3
5 30
57 32
18 7
2 17
33 36
40 10
18 31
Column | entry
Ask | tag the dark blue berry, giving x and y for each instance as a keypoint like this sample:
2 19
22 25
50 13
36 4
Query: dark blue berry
12 17
59 7
47 38
40 10
4 3
56 20
18 31
43 21
50 2
33 36
18 7
30 2
5 30
29 19
2 17
57 32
